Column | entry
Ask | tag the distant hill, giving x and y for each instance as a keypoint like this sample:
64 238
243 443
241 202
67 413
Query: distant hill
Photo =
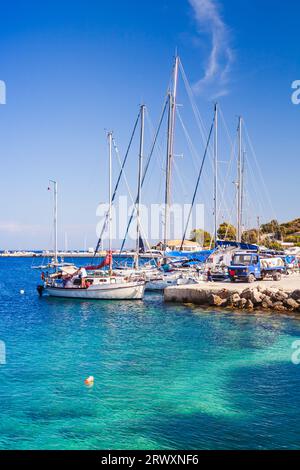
273 233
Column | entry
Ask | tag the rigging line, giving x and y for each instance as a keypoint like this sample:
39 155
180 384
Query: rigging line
225 126
147 165
230 214
155 139
229 167
193 151
195 154
192 148
193 103
159 154
196 109
254 184
180 178
117 184
225 186
232 147
130 195
197 185
260 172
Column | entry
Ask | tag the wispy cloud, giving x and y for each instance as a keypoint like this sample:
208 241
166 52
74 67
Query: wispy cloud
218 66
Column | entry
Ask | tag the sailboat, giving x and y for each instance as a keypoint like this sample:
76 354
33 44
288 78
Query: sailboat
100 284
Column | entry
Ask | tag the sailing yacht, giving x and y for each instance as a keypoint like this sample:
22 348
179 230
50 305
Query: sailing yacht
101 284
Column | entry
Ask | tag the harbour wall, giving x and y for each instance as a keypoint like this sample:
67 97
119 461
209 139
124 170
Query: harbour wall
283 296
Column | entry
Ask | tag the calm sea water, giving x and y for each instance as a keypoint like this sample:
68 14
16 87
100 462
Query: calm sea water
166 376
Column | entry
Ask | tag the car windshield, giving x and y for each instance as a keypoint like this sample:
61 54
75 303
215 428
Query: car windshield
243 260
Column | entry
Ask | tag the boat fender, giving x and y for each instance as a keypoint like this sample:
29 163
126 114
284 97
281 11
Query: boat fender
40 290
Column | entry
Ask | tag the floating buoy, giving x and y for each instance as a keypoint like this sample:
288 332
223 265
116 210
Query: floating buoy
22 292
89 381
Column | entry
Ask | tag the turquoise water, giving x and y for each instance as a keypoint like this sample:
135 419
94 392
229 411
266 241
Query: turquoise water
166 376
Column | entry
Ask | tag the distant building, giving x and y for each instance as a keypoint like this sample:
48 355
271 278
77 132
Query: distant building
175 245
287 244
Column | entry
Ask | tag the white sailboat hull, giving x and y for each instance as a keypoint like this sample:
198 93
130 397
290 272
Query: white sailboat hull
118 291
168 281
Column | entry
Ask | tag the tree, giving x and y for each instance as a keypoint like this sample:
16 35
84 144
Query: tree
227 231
250 236
270 227
275 228
272 245
202 237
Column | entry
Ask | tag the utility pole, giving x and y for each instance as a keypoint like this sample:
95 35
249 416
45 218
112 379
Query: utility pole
258 230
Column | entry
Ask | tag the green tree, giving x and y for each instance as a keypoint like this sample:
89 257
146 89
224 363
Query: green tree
272 245
275 228
250 236
270 227
202 237
227 231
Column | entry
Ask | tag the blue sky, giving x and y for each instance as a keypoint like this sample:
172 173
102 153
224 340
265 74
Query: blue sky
73 71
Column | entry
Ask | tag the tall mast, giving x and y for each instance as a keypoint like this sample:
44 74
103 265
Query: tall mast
141 157
243 188
170 148
216 174
110 200
239 184
55 220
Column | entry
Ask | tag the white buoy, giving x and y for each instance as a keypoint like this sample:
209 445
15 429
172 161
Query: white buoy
89 381
22 292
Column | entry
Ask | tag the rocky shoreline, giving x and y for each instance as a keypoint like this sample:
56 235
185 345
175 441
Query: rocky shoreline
258 297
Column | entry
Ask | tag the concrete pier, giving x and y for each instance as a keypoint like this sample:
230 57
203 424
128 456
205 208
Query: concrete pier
282 296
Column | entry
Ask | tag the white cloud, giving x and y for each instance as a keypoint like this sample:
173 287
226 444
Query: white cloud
221 56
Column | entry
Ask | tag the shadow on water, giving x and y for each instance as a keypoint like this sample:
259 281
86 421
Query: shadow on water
253 427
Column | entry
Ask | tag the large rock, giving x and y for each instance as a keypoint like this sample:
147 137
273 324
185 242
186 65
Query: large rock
243 303
279 307
279 296
223 293
256 297
235 299
247 294
296 295
291 303
216 300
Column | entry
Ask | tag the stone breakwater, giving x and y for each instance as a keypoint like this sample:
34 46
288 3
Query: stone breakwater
262 296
